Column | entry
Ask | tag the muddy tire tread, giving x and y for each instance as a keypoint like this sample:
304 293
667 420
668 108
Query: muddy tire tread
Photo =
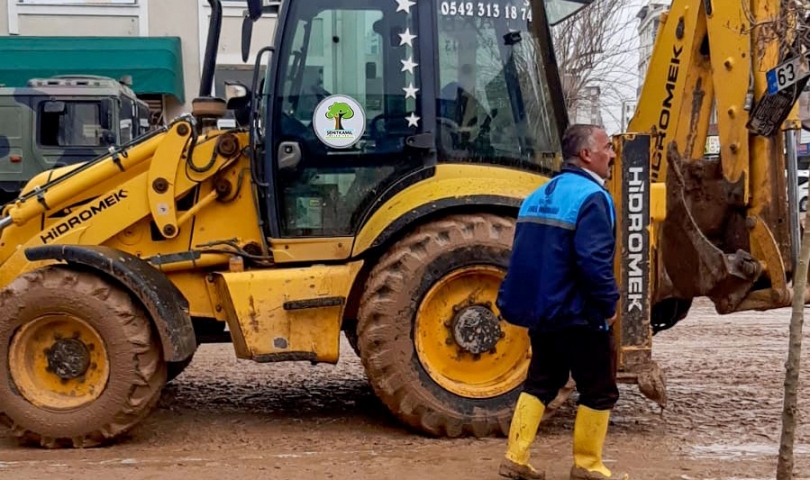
143 393
387 348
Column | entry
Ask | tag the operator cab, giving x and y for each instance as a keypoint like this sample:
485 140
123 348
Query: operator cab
362 98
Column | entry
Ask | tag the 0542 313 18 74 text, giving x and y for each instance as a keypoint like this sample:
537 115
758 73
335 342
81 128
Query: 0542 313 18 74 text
487 10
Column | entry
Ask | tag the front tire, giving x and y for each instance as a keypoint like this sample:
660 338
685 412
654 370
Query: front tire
430 336
80 363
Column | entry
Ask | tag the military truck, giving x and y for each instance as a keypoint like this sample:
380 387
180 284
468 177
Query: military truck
62 120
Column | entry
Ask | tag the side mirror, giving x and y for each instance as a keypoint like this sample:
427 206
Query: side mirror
247 33
254 12
238 97
254 9
235 91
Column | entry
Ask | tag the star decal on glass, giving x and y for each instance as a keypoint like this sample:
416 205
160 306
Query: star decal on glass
410 91
408 65
413 120
405 6
406 38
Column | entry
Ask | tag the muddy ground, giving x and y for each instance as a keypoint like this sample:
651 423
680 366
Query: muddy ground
229 419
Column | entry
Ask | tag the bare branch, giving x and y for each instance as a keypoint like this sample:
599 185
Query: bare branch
788 29
597 48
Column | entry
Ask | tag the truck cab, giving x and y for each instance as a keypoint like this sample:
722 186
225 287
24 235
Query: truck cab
63 120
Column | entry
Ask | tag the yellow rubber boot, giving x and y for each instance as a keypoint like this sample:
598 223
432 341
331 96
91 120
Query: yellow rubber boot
590 430
528 413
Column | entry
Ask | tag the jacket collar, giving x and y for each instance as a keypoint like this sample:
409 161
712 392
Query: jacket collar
568 168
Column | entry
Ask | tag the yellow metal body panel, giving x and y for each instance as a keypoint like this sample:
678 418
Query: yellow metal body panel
120 216
162 198
286 250
658 202
195 288
450 181
731 63
264 330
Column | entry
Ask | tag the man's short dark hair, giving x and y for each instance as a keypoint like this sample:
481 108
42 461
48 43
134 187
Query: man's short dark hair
575 138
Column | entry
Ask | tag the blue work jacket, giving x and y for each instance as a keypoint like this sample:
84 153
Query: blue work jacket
561 268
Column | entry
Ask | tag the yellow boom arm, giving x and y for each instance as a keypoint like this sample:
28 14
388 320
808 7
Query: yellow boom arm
726 233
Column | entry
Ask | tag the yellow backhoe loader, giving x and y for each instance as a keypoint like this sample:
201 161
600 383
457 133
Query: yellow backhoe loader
371 187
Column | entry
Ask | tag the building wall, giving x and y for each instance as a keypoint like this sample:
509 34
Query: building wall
649 18
187 19
177 18
628 110
55 18
58 25
4 17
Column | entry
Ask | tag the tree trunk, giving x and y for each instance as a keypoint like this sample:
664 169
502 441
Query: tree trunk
784 468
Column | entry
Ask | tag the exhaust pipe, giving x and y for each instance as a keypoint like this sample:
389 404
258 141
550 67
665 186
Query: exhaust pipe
211 47
207 108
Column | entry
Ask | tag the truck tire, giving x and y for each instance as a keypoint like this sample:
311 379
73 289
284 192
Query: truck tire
431 339
80 362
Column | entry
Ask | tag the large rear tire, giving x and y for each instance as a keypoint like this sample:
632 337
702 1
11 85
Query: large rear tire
431 339
80 362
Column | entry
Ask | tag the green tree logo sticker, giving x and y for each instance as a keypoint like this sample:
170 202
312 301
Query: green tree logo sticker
339 121
339 111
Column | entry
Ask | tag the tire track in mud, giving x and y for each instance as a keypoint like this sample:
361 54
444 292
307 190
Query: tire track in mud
724 375
725 383
218 382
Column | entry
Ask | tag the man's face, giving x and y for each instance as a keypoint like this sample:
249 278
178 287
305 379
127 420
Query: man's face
599 158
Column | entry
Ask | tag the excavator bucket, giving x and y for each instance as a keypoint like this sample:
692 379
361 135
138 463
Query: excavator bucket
726 278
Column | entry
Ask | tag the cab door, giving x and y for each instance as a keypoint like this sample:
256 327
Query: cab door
348 123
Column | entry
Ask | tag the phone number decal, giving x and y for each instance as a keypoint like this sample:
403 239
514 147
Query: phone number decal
486 10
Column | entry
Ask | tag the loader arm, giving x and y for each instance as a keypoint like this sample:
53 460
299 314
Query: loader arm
726 232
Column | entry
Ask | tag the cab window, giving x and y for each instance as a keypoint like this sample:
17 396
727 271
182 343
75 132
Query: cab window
69 124
494 104
349 100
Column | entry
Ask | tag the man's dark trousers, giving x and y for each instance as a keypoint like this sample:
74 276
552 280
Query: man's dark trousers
587 354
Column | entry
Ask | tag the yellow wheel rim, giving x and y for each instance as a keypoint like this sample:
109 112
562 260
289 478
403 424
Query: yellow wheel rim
459 340
58 362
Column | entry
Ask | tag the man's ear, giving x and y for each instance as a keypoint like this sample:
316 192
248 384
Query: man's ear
585 156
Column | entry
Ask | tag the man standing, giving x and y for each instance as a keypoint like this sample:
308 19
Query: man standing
561 287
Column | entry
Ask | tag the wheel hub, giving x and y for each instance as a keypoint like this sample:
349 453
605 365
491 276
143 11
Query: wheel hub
68 358
58 361
476 329
459 340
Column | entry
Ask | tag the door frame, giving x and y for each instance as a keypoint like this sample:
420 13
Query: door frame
271 188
